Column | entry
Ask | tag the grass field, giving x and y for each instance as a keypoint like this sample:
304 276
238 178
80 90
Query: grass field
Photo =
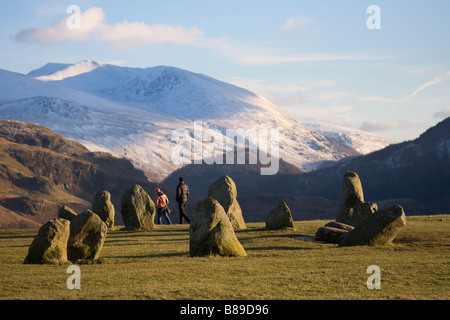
281 265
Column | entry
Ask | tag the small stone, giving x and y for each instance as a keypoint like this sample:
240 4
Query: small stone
104 208
280 217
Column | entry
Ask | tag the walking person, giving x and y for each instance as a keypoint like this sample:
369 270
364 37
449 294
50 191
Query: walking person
182 195
161 202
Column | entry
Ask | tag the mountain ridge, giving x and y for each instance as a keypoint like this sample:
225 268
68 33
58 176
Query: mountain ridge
135 111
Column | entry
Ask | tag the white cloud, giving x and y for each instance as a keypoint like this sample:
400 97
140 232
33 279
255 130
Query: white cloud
297 22
133 34
122 35
91 23
128 35
435 81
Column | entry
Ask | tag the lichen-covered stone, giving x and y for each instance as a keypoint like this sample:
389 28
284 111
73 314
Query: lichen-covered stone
280 217
381 228
50 244
103 207
352 208
138 209
87 235
211 232
225 192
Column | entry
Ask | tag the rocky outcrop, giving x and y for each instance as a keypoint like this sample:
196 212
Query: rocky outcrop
50 244
138 209
280 217
380 228
225 192
211 232
87 235
103 207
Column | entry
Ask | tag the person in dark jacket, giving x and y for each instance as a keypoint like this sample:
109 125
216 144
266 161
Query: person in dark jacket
182 195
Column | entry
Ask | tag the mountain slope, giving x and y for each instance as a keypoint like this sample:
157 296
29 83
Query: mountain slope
415 172
133 112
41 170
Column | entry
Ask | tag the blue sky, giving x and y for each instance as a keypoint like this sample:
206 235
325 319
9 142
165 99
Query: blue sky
316 60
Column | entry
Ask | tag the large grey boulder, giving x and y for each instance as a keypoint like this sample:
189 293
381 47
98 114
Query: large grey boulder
138 209
280 217
225 192
50 244
87 235
211 232
352 208
381 228
103 207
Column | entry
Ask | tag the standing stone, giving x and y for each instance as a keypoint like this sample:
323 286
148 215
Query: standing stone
66 213
50 244
280 217
352 208
87 235
103 207
381 228
211 232
225 192
138 209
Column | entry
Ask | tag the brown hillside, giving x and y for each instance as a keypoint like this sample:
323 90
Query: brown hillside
40 170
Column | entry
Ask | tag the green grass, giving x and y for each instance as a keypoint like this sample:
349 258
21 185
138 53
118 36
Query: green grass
156 265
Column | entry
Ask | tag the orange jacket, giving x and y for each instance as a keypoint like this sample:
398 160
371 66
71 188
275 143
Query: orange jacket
161 201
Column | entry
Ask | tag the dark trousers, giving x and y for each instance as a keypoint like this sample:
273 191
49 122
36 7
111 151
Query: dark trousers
182 211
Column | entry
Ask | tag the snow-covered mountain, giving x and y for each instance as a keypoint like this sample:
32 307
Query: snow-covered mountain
133 112
362 141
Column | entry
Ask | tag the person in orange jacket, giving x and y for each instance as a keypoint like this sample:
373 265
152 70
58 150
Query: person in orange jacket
161 202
